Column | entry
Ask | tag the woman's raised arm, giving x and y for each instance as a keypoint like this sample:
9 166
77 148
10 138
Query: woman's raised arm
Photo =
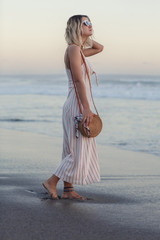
96 48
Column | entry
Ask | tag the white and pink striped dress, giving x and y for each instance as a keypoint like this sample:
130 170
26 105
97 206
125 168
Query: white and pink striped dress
80 163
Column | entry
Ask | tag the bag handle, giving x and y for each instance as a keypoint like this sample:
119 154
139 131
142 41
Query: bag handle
89 80
83 58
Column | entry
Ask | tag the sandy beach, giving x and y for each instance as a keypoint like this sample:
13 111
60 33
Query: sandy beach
123 206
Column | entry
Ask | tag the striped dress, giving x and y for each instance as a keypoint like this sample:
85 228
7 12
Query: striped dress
80 163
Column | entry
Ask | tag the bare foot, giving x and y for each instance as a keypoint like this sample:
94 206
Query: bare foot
51 188
69 193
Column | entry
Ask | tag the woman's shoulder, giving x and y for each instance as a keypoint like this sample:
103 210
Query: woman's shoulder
73 48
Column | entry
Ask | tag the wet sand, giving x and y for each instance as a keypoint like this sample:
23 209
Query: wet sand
124 205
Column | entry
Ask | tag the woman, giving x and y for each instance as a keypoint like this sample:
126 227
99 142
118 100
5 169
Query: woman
79 163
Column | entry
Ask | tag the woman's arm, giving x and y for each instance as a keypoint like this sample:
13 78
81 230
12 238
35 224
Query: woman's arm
96 48
76 69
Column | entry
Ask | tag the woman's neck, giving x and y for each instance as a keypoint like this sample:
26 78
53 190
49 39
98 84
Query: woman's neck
83 40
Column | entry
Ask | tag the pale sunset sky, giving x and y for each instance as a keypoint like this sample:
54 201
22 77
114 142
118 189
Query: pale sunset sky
32 35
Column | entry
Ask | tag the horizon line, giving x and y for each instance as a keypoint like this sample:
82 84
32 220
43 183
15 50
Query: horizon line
51 74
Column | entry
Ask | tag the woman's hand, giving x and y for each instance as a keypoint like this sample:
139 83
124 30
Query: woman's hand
87 116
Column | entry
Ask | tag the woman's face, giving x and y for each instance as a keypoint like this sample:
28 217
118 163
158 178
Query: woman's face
86 27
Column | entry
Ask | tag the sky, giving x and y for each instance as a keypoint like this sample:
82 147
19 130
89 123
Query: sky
32 35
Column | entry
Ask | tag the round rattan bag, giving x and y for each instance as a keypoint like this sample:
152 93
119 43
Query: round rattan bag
93 129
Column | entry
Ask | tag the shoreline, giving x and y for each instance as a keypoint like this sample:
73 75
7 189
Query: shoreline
23 145
102 144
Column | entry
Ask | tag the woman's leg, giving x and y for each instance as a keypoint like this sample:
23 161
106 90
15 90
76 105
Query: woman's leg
51 185
69 192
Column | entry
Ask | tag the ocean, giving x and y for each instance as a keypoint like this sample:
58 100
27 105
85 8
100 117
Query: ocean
129 106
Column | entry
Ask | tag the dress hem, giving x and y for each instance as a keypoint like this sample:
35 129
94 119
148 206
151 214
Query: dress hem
77 183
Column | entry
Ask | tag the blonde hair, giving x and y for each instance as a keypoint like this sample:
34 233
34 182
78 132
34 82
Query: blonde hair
73 33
